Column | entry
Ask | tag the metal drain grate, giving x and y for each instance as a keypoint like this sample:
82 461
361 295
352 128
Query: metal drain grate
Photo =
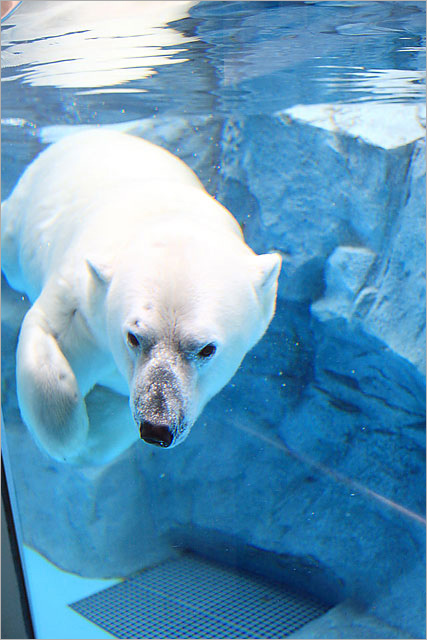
193 598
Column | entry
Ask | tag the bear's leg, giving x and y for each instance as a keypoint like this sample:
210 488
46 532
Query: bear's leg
49 397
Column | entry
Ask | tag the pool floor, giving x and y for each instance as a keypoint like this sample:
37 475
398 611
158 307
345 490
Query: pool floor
191 597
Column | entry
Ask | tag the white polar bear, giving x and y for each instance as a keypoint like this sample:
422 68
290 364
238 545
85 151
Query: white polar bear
140 281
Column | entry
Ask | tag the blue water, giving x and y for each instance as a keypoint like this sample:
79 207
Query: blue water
238 59
306 120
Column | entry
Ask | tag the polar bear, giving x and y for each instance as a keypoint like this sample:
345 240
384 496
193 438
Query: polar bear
139 281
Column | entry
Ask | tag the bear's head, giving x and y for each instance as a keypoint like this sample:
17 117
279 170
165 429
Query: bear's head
182 313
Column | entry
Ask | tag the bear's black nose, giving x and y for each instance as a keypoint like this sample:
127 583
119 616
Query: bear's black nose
158 434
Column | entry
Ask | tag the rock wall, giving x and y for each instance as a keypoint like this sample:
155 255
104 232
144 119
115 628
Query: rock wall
309 466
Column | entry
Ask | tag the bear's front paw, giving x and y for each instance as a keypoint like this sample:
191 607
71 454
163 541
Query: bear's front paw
49 397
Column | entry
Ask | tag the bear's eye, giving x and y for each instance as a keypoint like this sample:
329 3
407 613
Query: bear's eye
132 340
207 351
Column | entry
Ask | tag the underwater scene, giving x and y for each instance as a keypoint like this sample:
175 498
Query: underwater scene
288 387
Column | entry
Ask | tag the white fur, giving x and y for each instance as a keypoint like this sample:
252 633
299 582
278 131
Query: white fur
109 234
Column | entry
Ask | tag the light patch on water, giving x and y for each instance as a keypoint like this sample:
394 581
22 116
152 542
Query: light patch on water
395 84
93 44
93 92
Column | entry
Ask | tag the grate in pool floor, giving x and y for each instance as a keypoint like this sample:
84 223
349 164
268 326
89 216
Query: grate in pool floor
190 597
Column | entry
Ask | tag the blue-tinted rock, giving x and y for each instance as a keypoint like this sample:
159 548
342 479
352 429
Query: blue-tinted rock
403 601
386 125
397 313
345 274
311 191
347 620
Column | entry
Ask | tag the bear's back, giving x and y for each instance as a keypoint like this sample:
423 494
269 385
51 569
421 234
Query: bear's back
55 195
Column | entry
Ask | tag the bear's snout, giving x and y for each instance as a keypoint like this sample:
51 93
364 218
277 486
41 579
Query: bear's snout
160 393
159 435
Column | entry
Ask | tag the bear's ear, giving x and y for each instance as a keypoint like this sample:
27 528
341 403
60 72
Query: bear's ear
268 271
101 273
